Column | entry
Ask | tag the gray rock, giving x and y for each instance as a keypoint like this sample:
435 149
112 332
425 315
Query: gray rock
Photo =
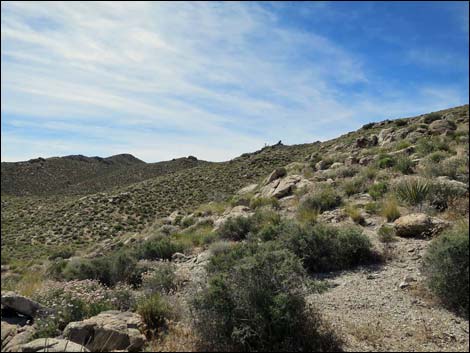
108 331
52 345
418 225
20 304
275 174
441 126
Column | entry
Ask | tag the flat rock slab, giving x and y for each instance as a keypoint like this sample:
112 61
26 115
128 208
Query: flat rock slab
52 345
20 304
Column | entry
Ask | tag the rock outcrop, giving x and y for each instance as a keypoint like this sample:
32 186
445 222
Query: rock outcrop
108 331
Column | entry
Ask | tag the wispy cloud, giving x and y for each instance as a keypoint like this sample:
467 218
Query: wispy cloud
167 79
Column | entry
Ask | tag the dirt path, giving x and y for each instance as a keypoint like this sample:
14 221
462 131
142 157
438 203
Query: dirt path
372 313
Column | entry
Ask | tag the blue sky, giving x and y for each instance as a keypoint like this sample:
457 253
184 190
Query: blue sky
215 80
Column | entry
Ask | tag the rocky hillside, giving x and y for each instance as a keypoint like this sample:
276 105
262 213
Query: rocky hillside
356 244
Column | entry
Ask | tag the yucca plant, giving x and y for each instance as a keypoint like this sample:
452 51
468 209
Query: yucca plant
413 191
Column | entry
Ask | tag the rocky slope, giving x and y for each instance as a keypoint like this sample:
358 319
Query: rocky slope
350 182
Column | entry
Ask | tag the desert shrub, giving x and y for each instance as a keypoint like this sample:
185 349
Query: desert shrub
386 234
62 253
453 167
154 311
219 247
354 186
159 248
264 201
404 165
307 215
427 145
355 213
258 305
236 228
437 156
120 266
326 248
442 194
369 172
199 235
401 122
323 199
390 210
413 191
368 126
211 208
377 190
187 221
372 207
446 267
385 161
428 119
161 279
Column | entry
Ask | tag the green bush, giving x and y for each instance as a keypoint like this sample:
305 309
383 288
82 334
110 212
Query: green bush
159 248
427 145
385 161
326 248
257 304
161 280
323 199
62 253
377 190
404 165
236 228
386 234
154 311
442 194
446 267
257 202
354 186
428 119
109 270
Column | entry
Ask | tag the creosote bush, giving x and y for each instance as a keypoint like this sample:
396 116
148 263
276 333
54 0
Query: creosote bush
326 248
236 228
324 199
254 301
446 267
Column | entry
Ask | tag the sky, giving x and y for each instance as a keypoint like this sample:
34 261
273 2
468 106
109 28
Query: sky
215 80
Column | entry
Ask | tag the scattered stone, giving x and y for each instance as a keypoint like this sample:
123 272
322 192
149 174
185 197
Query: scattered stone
179 257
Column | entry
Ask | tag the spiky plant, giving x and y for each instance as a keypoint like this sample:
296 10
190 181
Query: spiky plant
413 191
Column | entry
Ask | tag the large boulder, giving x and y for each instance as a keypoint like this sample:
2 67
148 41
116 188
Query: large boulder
20 304
442 127
386 136
418 225
275 174
284 187
52 345
108 331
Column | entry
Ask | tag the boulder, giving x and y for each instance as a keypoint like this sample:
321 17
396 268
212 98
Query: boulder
284 187
52 345
20 304
418 225
237 211
351 160
247 189
321 165
13 336
275 174
385 136
442 126
336 165
108 331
